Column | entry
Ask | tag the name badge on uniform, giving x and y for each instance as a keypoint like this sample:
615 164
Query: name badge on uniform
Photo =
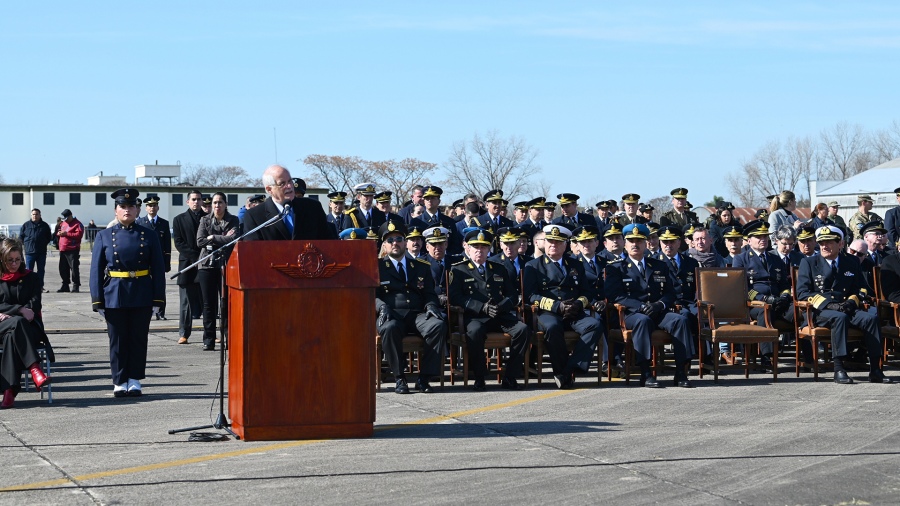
385 283
626 280
848 273
659 279
498 278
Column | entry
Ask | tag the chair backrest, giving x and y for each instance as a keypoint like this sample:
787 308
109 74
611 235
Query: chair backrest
726 287
876 282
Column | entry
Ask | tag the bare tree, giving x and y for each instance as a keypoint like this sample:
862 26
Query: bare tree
486 163
844 151
339 173
400 177
804 157
219 176
886 143
661 205
772 169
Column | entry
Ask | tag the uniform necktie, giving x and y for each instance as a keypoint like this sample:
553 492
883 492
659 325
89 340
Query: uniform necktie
289 222
401 270
369 217
481 270
765 264
591 263
640 266
561 269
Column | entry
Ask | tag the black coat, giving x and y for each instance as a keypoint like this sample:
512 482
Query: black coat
683 276
546 286
772 279
471 290
625 285
354 218
184 232
414 294
26 292
817 285
890 278
36 236
309 222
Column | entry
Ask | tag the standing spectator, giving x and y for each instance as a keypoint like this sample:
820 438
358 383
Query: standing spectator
833 208
55 240
184 228
215 231
70 233
161 226
781 212
36 236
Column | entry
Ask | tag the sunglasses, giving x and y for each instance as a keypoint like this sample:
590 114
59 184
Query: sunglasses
392 240
860 254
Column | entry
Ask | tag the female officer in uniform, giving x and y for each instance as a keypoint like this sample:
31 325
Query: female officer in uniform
127 287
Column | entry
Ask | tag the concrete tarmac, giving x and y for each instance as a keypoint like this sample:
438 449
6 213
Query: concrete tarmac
742 441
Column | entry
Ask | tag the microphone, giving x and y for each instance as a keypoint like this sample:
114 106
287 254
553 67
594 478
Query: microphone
287 209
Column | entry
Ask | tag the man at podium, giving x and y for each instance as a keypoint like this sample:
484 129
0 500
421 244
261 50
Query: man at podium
301 218
406 302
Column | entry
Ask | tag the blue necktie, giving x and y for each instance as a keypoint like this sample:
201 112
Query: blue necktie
289 222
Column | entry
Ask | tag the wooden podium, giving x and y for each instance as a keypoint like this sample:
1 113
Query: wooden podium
301 322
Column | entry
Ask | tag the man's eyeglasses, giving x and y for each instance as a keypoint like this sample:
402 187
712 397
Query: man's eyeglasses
281 184
392 240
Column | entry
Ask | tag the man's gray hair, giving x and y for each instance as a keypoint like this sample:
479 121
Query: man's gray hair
785 232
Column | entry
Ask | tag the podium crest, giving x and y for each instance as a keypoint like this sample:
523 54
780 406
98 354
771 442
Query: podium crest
310 264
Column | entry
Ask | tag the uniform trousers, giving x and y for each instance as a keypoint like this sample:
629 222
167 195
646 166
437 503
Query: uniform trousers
590 328
190 304
432 329
68 267
128 329
759 314
476 332
20 339
839 322
210 282
675 324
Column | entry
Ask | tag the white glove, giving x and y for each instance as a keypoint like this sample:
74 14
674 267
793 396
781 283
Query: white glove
155 309
102 313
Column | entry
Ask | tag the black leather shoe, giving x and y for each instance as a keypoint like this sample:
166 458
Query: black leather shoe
75 289
682 382
209 347
878 377
765 364
64 289
564 381
423 386
479 385
842 378
401 387
509 384
649 382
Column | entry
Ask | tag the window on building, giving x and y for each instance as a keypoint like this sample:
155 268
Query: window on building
18 199
49 199
100 199
177 199
74 199
232 200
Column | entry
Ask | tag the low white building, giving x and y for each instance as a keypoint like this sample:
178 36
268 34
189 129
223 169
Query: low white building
878 182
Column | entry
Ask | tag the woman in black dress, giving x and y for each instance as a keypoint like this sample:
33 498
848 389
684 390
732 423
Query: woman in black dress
21 328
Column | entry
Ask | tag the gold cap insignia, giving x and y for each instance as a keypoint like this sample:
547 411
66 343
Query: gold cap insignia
391 227
353 234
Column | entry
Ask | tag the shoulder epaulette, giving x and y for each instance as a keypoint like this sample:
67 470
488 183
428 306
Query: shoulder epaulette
616 260
459 263
426 262
348 211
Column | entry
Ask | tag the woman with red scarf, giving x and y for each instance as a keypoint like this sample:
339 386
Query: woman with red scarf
21 328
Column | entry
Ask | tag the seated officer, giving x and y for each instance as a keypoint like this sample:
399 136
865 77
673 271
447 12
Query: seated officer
488 296
734 242
436 243
415 242
556 283
833 283
769 280
509 257
645 287
405 302
613 242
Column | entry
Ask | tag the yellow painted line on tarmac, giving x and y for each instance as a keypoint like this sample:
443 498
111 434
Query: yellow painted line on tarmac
272 447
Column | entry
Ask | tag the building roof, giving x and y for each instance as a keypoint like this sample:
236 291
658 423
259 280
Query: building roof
880 179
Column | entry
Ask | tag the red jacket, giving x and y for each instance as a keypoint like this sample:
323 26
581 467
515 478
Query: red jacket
70 240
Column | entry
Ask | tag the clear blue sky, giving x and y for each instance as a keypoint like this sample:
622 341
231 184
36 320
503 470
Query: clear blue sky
616 96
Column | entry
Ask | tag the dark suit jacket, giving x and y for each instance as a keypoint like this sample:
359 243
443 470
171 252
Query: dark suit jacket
354 218
545 285
890 277
683 275
184 227
594 275
504 221
165 237
892 224
414 294
774 280
454 246
309 222
472 291
625 285
579 220
819 286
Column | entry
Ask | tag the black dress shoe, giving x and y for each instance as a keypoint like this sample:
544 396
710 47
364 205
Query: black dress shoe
424 387
649 382
509 384
75 289
842 378
64 289
479 385
401 387
683 382
878 377
209 347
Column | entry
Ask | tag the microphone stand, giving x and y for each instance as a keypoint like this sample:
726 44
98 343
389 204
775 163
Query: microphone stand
222 422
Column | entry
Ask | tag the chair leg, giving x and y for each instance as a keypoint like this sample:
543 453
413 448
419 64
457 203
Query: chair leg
775 361
378 367
629 357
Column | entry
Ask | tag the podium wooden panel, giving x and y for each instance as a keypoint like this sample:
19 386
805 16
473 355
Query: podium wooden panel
301 317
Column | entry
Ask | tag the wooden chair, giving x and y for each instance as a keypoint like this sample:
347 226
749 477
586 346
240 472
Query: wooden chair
413 345
814 334
888 313
536 345
659 339
724 315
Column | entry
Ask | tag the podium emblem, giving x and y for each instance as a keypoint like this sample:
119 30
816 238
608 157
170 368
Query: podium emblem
310 264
